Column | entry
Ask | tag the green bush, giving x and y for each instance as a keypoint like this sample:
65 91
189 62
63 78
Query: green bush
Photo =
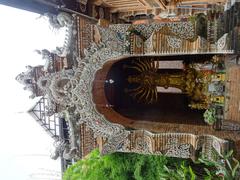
126 166
130 166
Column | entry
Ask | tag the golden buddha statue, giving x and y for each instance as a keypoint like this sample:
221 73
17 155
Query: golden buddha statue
148 79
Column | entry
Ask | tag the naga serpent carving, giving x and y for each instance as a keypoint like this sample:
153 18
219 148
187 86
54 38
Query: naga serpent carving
59 21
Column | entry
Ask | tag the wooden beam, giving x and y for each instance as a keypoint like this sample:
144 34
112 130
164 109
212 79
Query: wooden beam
146 2
161 4
124 9
209 1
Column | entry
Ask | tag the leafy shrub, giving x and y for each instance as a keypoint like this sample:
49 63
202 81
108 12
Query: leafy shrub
128 166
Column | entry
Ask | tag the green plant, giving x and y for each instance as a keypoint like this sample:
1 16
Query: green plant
131 166
210 116
179 172
116 166
224 168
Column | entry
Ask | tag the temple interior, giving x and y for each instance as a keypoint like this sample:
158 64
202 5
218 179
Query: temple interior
171 105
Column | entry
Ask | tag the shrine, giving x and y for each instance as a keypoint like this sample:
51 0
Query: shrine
150 77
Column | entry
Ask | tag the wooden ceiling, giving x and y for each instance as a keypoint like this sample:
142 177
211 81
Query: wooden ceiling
140 5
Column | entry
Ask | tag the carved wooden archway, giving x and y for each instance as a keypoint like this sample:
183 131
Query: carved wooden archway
190 130
103 106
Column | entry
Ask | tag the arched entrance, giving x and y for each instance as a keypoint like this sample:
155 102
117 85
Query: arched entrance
112 94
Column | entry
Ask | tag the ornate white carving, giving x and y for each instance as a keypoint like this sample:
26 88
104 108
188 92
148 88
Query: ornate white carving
217 146
145 30
57 86
63 149
221 43
184 30
117 143
46 55
148 45
143 144
59 21
84 76
178 150
27 79
174 42
116 36
139 42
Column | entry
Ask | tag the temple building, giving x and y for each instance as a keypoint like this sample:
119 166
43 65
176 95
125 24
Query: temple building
145 76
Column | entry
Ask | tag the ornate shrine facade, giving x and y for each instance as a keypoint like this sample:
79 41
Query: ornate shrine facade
161 87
